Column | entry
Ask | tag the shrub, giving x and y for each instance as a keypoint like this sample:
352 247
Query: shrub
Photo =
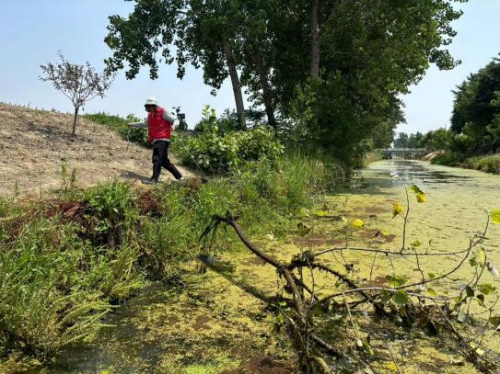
488 164
113 204
213 153
462 143
448 158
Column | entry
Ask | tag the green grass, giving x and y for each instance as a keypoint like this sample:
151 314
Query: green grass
67 260
372 156
484 163
487 163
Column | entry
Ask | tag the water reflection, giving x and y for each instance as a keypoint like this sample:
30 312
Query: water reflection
384 175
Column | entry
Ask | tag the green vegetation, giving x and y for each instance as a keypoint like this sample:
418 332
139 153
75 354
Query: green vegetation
475 123
67 260
487 163
77 254
220 154
327 74
408 141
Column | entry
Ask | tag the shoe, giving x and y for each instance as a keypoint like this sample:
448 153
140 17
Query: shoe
181 179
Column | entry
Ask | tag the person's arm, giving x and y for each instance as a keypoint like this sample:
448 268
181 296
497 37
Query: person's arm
172 118
169 116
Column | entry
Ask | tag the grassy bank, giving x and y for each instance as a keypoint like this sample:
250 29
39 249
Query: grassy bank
485 163
370 157
67 260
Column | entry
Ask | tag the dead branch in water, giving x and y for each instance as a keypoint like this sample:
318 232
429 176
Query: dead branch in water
312 348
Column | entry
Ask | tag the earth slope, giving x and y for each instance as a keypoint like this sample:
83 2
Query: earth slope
36 145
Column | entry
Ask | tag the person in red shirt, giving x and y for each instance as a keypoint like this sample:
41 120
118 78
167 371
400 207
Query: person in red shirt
160 124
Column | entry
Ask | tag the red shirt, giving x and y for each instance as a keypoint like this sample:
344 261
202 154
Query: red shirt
158 127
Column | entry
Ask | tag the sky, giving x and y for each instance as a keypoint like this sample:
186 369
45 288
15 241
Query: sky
33 31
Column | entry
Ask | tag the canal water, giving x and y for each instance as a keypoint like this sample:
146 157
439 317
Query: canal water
458 204
457 207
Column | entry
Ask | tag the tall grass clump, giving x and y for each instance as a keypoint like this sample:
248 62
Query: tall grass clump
60 273
4 207
55 288
486 163
294 181
114 210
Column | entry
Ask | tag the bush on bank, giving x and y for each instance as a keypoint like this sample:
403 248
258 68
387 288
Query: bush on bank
486 163
212 152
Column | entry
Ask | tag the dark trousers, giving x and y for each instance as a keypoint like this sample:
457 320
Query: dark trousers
160 158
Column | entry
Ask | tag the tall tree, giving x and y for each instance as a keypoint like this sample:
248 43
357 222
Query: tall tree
258 54
315 48
401 141
476 110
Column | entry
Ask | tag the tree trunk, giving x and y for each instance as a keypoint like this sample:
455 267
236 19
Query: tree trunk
266 90
75 120
267 94
315 48
235 81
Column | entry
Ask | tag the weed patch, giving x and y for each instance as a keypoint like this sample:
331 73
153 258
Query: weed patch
66 261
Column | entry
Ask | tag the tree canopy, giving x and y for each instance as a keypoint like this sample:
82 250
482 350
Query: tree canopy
476 110
330 70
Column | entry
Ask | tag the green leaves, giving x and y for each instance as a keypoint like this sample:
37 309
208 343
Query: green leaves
481 257
486 289
469 291
495 321
415 189
216 153
401 297
396 280
431 292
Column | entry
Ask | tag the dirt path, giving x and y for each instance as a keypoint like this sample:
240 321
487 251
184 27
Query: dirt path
36 144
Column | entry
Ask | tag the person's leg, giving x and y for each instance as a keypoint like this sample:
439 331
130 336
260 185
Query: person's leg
168 165
159 150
